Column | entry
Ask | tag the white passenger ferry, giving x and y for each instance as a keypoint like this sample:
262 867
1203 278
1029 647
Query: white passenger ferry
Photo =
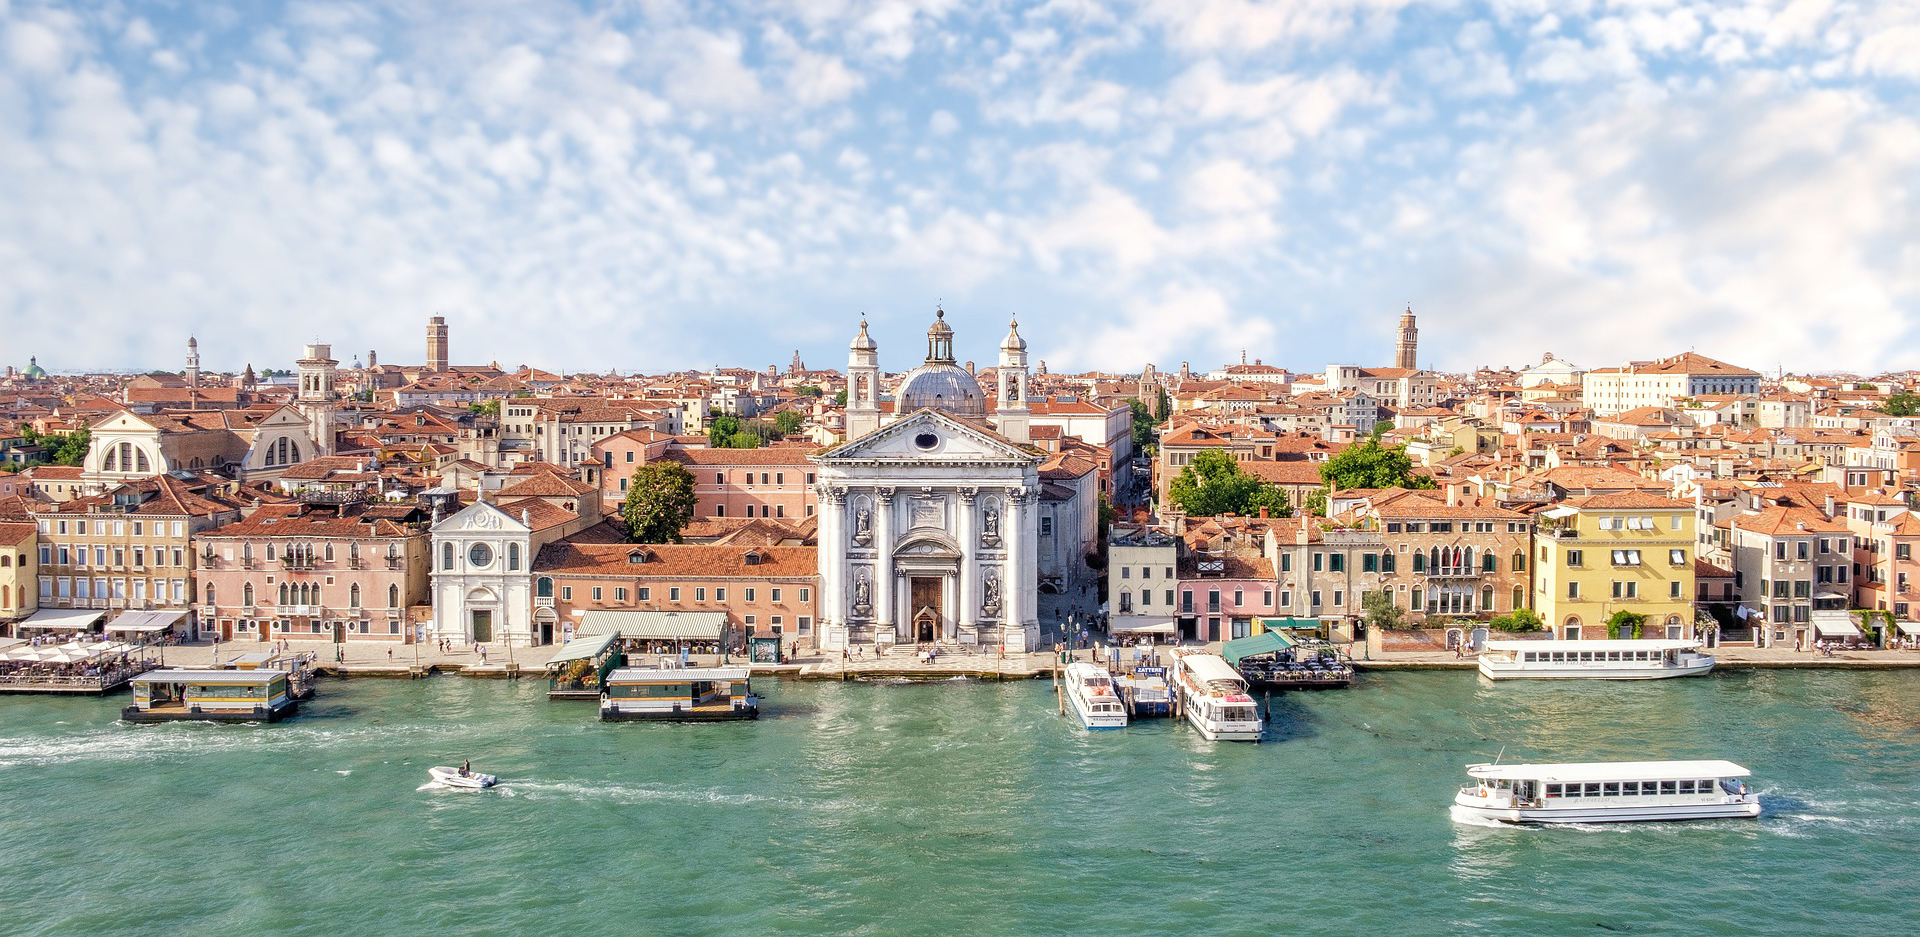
1606 792
1593 660
1096 701
1214 697
678 694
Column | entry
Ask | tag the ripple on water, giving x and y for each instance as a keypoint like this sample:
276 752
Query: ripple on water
965 807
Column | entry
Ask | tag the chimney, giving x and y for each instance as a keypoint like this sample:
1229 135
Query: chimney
1453 496
1263 512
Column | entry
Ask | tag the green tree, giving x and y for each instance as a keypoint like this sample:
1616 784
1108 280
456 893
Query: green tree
1162 406
485 408
720 429
1371 465
1273 498
742 440
1625 624
659 503
1145 434
1381 611
1316 503
840 398
1901 404
1520 619
807 390
1380 428
1213 484
788 422
61 448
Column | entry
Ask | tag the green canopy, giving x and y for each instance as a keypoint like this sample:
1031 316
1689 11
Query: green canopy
1267 642
1292 624
582 648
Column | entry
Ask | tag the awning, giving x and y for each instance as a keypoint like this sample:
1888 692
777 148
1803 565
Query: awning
1292 624
1842 627
1139 625
1908 627
148 621
64 619
1266 642
653 626
579 648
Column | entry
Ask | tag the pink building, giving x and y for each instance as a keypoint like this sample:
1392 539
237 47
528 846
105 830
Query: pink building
329 568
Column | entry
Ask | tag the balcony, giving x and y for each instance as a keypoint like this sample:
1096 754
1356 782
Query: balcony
1564 533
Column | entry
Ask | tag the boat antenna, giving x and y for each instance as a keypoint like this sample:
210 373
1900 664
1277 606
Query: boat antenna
1503 754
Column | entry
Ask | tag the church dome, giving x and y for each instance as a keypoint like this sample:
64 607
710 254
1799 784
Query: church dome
861 342
940 383
945 387
34 371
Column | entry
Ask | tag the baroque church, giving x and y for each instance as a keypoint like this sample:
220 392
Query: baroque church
930 514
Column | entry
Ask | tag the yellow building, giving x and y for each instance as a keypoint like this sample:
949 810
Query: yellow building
19 571
1602 554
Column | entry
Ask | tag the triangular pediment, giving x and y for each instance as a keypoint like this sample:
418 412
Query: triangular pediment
481 517
929 435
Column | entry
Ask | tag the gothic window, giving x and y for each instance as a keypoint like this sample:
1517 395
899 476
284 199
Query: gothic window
353 596
246 595
513 557
393 596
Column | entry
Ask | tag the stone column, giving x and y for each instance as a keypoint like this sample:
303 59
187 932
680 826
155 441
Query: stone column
968 587
883 600
833 568
1013 588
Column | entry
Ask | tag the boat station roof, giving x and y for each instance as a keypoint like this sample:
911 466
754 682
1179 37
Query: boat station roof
1610 771
210 677
583 648
1266 642
653 626
1208 668
675 674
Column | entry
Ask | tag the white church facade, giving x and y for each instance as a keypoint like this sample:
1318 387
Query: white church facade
930 516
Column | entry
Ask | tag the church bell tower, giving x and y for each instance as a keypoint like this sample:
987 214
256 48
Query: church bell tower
316 395
1011 413
863 384
1405 350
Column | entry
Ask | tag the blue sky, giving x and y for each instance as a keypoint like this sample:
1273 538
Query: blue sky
654 185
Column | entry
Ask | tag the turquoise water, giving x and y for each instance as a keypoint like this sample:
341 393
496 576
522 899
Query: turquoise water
951 809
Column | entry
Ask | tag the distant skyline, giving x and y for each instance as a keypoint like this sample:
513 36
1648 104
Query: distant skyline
651 186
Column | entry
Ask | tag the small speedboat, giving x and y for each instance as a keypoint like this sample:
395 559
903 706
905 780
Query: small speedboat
461 777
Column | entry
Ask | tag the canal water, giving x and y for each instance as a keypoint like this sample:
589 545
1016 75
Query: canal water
950 809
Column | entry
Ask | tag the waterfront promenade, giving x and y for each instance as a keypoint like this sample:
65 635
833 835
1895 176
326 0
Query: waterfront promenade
409 660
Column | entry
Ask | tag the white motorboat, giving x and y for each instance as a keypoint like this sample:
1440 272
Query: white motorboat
1650 659
461 777
1214 698
1606 792
1095 700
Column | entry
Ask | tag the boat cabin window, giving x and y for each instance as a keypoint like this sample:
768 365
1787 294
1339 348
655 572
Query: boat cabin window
1667 787
1593 789
1553 790
1630 788
1610 789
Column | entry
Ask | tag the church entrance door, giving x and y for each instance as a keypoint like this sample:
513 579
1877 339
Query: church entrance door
925 598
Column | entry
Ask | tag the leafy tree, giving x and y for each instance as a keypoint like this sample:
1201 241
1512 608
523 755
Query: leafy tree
1380 428
61 448
1520 619
1145 434
485 408
1316 503
787 422
1162 406
1271 497
1381 610
720 429
659 503
1901 404
1625 624
1213 484
1371 465
807 390
741 440
840 398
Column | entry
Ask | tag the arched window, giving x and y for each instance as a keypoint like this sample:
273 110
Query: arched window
446 556
1486 598
1419 562
113 461
1487 562
210 599
1519 562
513 557
140 461
6 561
285 598
295 447
353 596
328 552
543 587
393 596
1519 598
246 595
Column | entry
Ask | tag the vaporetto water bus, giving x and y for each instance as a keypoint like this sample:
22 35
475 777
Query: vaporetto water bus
1095 701
1213 696
1650 659
1606 792
678 694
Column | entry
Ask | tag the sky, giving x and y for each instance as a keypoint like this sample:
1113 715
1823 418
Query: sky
659 185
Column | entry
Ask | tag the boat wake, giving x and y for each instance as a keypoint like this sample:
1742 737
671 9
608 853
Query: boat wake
634 794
